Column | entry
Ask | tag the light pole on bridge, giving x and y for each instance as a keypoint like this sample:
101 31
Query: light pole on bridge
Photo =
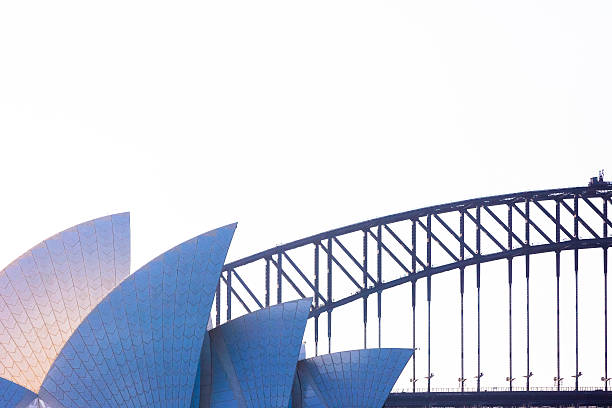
461 381
576 377
478 377
527 377
605 381
428 378
413 382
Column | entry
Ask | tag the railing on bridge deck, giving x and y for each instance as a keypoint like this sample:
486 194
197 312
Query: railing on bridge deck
496 389
502 397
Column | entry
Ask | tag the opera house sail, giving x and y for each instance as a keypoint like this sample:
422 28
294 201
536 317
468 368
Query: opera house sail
47 292
77 330
350 379
253 358
140 346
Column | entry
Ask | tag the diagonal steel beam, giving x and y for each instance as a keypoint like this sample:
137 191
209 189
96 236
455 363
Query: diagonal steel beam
521 251
410 251
534 196
597 211
391 254
342 268
293 285
553 219
534 225
483 229
360 266
580 220
504 226
435 238
237 295
244 285
450 230
299 271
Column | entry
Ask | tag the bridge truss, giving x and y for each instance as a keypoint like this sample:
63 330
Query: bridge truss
400 249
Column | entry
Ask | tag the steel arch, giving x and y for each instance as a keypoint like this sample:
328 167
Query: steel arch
502 227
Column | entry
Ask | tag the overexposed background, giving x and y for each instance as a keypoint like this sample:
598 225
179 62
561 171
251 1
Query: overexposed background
293 117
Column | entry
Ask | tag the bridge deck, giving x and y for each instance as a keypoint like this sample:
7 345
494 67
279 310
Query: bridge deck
500 398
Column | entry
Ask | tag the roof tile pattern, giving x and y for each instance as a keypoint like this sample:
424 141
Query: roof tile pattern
350 379
140 346
263 348
49 290
12 394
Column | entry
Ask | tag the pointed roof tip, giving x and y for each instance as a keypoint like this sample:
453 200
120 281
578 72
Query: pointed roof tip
232 225
407 353
305 300
229 227
308 299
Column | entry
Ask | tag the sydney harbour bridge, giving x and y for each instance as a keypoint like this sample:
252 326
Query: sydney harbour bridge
411 247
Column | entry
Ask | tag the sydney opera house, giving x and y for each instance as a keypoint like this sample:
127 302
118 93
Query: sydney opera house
78 330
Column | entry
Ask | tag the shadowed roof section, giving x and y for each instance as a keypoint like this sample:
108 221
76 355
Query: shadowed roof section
48 291
349 379
255 355
13 395
140 346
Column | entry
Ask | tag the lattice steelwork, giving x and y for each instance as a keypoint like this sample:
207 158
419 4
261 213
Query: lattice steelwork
140 346
254 357
49 290
349 379
375 255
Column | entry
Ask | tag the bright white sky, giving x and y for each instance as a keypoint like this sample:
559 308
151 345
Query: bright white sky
290 117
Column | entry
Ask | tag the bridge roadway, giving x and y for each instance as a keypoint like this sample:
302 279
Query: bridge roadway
501 397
